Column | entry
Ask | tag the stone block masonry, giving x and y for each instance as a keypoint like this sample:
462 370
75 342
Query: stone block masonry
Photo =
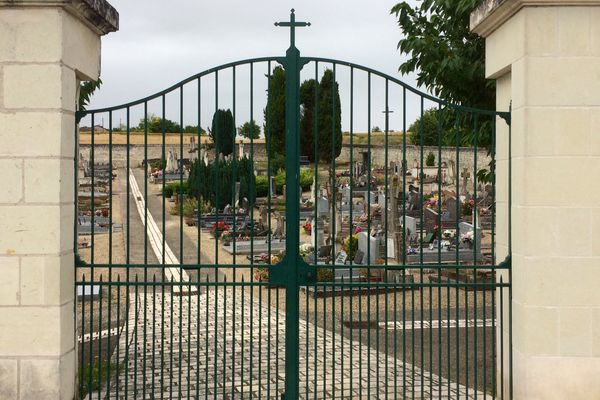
46 49
545 58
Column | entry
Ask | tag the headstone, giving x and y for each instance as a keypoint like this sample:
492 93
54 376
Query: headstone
236 195
465 175
366 160
369 246
465 229
241 149
451 207
264 216
430 220
279 226
411 226
317 233
272 191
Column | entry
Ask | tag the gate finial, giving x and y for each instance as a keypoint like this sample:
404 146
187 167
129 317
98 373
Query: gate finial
292 24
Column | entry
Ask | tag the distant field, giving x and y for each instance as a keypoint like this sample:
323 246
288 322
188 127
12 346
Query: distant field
377 138
137 138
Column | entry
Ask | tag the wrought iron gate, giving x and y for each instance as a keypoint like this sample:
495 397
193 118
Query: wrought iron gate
208 271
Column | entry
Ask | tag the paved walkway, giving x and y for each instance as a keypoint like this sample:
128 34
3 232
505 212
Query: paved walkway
205 346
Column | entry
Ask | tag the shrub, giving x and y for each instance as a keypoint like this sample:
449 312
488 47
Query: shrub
430 160
262 186
324 274
351 246
175 187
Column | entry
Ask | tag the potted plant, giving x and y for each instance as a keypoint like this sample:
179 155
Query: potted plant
218 228
351 246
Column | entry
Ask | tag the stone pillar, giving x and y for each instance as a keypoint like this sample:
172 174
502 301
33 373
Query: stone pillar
46 48
545 58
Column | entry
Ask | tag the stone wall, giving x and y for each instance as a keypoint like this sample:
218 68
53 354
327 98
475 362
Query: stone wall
46 47
413 153
545 58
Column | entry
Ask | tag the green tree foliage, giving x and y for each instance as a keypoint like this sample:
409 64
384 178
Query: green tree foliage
275 119
430 160
222 132
215 182
86 89
307 121
450 62
327 96
329 119
156 125
448 58
249 130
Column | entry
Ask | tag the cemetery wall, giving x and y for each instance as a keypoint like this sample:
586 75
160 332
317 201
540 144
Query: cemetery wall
413 154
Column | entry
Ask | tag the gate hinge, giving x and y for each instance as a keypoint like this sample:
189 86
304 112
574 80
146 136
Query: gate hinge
505 116
507 263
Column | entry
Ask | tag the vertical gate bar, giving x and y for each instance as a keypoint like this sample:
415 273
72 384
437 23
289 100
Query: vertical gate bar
501 290
135 336
441 117
171 333
198 287
183 195
224 369
153 332
215 335
316 206
206 339
251 203
510 345
351 224
163 180
276 342
145 241
100 360
128 241
404 165
269 252
387 221
119 331
315 344
260 306
475 262
457 240
466 339
93 206
181 198
269 172
162 336
316 154
234 272
110 241
200 199
82 344
333 239
369 266
421 216
216 174
199 231
92 276
292 144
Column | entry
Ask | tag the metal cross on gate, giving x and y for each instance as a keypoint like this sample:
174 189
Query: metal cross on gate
292 24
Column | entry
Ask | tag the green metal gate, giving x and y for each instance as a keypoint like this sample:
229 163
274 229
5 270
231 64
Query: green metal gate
203 271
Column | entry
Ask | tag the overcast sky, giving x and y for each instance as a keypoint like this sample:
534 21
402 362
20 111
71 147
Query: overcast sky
162 42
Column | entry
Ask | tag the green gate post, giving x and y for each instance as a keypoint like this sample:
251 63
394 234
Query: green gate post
292 268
